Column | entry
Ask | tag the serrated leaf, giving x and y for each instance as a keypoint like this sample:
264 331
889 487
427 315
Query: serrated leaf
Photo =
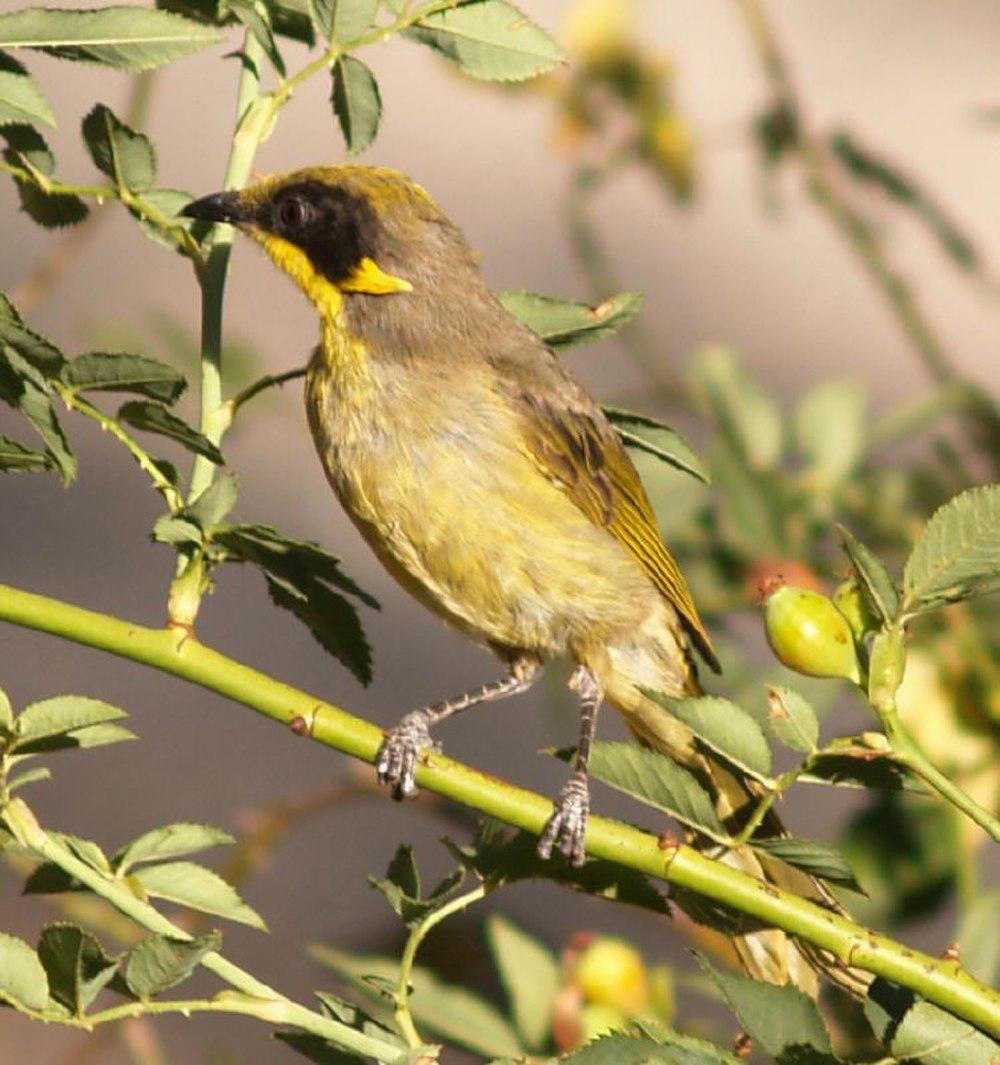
256 18
127 38
26 149
215 502
402 890
86 850
77 965
979 938
169 841
30 776
490 40
655 438
724 727
193 885
169 203
22 978
821 859
831 432
171 529
499 857
856 767
34 348
21 100
123 372
81 739
357 102
563 324
155 418
531 976
344 21
16 458
877 585
750 420
59 715
448 1011
355 1017
781 1020
656 781
127 157
618 1048
157 963
792 719
293 19
958 555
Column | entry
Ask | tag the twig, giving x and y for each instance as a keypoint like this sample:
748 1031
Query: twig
941 981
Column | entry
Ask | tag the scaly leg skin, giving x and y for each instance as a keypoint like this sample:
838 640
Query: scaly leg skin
566 829
402 747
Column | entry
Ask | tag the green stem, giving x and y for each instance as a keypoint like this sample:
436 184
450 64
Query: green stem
403 1016
256 999
233 405
940 981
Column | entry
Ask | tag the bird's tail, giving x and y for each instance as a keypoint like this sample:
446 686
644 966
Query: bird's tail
765 953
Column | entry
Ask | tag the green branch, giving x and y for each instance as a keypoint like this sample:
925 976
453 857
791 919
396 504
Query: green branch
943 982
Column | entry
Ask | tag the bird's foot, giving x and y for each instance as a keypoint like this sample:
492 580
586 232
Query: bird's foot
399 753
566 829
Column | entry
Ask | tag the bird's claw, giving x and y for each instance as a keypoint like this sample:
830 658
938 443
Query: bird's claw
566 829
401 749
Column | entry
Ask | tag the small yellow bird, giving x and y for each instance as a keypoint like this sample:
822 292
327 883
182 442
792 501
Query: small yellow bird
489 484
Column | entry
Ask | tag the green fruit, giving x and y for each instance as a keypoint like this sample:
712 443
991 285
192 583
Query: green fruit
597 1019
809 634
850 601
611 972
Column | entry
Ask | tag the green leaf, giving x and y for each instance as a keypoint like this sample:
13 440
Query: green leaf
16 458
866 165
157 963
127 157
562 324
21 101
22 978
655 438
859 767
656 781
31 346
315 1048
619 1048
355 1017
752 503
958 555
254 15
299 575
873 578
831 432
214 503
193 885
169 203
402 890
26 148
59 715
30 776
749 419
77 965
792 719
820 859
171 529
293 19
489 39
723 727
781 1020
169 841
155 418
121 372
127 38
531 976
24 388
344 21
979 938
357 102
6 712
448 1011
499 858
86 850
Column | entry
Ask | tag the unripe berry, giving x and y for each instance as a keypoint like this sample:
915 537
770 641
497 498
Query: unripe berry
808 633
847 598
611 972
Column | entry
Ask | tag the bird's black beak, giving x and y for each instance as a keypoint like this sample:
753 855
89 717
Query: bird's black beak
219 207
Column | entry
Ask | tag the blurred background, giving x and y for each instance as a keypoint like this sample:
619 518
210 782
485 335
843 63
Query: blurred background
729 250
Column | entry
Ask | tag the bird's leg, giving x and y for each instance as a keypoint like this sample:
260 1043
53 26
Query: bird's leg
402 746
566 829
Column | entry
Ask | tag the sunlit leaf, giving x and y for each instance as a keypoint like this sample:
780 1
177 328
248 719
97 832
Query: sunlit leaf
21 100
877 585
792 719
169 841
531 976
22 978
563 323
193 885
654 438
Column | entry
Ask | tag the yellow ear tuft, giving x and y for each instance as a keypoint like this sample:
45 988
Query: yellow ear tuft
371 278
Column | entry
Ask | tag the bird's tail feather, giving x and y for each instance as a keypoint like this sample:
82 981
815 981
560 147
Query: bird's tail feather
765 953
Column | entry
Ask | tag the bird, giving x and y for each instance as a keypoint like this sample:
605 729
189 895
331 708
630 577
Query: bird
493 488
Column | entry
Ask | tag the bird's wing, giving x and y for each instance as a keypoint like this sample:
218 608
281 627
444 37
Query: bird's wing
575 445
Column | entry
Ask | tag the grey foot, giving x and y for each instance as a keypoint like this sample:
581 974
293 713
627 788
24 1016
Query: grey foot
566 829
399 753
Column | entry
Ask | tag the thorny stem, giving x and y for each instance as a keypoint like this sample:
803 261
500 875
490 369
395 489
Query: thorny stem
252 997
403 1017
941 981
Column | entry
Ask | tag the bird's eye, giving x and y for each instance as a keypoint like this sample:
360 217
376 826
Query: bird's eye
294 212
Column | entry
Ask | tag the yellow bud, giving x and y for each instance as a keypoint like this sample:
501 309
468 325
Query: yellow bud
847 598
809 634
668 143
611 972
597 30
